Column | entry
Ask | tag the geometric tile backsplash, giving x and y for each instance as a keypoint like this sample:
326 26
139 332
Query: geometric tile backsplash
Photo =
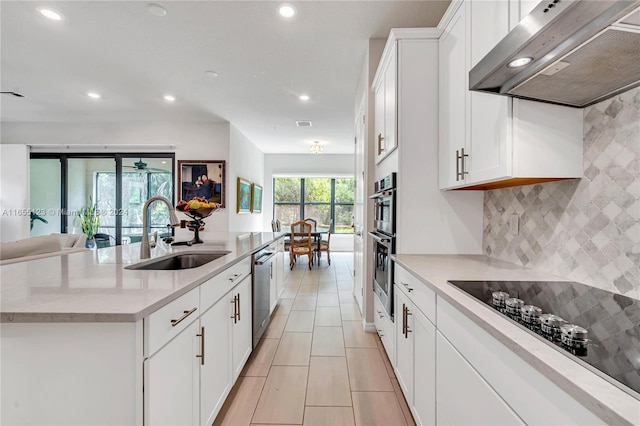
586 230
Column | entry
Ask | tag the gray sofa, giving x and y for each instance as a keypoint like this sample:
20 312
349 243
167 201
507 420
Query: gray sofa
41 246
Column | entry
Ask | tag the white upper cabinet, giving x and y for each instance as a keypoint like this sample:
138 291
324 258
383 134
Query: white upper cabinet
385 109
490 141
453 93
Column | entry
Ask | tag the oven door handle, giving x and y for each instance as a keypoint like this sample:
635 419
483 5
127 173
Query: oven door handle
379 239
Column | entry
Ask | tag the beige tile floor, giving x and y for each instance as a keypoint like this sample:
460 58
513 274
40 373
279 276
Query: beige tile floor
315 365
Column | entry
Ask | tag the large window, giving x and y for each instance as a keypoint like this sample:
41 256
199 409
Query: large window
322 199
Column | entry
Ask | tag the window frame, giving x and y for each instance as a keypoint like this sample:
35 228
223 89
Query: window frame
118 157
302 203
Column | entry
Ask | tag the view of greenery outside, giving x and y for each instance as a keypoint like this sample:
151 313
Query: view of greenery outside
137 188
321 199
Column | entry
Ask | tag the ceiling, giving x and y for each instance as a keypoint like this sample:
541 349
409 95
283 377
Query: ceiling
263 63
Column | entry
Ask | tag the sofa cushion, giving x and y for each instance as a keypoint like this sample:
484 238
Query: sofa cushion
30 246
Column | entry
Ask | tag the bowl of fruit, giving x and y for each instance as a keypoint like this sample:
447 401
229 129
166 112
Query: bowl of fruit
197 207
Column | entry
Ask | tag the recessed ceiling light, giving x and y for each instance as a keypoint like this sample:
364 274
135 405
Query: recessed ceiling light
286 11
211 74
156 9
304 97
169 98
93 95
520 62
51 14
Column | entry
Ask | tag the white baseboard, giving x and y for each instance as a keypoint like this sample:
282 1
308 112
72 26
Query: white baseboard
370 327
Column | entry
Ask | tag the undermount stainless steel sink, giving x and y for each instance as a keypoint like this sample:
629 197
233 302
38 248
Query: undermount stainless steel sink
179 261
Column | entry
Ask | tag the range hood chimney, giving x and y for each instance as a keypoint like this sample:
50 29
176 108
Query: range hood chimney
581 51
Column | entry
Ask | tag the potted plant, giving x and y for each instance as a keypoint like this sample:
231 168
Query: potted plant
89 218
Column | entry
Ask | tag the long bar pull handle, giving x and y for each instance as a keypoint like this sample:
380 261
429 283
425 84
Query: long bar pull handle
271 271
235 309
407 330
380 139
404 318
457 165
462 157
201 336
175 322
238 306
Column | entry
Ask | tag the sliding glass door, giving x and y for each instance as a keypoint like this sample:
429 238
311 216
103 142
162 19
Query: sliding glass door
117 184
45 196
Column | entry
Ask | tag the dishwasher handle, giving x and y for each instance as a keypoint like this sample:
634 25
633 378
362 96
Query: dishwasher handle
265 258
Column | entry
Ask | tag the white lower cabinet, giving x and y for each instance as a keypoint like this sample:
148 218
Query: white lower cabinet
424 370
385 329
415 358
172 377
189 377
241 335
404 344
464 397
215 371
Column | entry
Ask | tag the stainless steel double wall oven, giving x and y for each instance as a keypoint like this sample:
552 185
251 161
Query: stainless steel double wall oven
384 237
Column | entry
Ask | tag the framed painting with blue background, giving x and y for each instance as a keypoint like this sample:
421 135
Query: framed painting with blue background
244 196
256 198
202 178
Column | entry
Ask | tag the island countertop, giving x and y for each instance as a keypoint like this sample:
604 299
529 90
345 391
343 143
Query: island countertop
607 401
94 286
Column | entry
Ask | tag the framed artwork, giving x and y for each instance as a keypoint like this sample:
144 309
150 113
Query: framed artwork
256 198
244 196
202 178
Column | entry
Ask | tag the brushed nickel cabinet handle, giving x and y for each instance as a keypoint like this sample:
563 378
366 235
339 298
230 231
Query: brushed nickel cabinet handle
201 336
407 330
238 306
457 165
380 139
409 289
404 318
462 157
235 309
380 314
175 322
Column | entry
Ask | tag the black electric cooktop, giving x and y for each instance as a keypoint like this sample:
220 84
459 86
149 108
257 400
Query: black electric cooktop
608 332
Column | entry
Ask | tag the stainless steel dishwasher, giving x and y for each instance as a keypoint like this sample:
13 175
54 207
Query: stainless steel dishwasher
261 291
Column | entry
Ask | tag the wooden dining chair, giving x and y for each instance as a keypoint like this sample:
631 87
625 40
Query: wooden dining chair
323 244
300 242
313 223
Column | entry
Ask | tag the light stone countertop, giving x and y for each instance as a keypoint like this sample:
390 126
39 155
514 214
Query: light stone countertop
94 286
604 399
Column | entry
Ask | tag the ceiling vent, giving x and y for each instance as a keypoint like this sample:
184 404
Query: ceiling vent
17 95
303 123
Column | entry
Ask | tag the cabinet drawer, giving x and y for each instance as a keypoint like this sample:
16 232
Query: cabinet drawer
168 321
385 328
212 290
422 296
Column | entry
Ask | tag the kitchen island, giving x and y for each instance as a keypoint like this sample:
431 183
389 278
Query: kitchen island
87 341
525 379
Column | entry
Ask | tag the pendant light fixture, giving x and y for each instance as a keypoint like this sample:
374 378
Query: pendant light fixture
316 148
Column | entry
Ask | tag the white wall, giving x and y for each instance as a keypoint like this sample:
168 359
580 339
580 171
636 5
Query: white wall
14 192
306 165
192 141
245 161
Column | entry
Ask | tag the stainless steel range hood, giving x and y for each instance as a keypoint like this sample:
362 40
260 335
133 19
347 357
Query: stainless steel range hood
583 51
